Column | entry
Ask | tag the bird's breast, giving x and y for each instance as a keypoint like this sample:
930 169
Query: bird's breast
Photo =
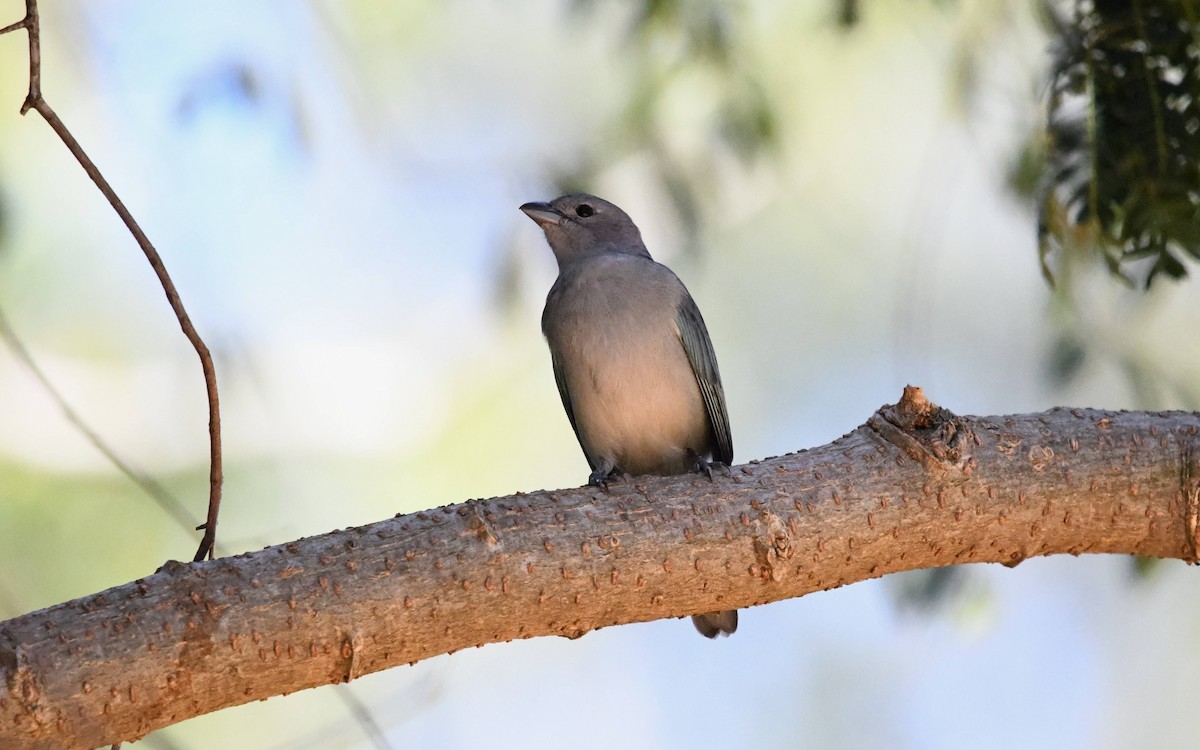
613 329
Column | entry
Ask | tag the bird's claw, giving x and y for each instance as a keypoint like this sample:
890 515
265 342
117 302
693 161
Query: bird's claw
599 477
701 466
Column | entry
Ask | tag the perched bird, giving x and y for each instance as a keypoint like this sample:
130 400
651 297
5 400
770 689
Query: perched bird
634 365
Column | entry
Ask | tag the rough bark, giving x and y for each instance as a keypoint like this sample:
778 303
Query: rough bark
914 487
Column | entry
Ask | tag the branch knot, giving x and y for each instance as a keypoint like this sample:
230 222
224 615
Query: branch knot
936 438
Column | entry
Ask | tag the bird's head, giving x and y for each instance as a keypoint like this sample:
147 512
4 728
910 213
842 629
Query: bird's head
580 226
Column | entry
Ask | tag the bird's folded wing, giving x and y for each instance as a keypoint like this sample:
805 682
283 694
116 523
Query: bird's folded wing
560 377
699 349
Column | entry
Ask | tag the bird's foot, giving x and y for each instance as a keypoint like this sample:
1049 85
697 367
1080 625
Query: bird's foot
701 466
601 476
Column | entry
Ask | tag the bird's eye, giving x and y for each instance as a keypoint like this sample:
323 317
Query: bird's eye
583 210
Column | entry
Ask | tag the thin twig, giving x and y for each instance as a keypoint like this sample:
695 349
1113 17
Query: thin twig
165 500
34 100
362 714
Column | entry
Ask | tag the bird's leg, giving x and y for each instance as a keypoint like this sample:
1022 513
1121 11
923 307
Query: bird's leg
700 465
604 472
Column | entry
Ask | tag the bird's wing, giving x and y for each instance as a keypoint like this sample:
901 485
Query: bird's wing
703 359
560 377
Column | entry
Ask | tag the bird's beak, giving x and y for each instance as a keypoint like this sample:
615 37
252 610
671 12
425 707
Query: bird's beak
542 213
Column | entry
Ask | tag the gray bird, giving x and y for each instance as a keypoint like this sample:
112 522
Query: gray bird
634 365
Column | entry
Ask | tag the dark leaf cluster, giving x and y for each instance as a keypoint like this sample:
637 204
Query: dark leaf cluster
1123 138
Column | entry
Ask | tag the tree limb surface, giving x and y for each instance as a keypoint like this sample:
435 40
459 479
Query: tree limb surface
914 487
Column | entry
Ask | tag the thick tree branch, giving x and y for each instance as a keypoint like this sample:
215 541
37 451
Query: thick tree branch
916 487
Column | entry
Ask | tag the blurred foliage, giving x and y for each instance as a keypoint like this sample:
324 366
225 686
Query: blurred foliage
1144 568
1080 341
695 48
848 14
4 220
1120 153
1068 353
927 591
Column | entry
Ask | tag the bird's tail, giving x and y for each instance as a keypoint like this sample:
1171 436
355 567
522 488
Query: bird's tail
713 624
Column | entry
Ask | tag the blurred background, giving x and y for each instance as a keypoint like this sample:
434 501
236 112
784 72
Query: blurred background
860 195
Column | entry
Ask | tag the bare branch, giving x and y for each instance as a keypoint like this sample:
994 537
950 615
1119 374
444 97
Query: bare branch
34 100
192 639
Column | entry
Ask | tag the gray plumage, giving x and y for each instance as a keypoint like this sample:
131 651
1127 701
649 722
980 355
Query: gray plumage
632 358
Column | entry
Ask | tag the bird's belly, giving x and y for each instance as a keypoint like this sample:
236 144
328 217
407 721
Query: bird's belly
643 408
